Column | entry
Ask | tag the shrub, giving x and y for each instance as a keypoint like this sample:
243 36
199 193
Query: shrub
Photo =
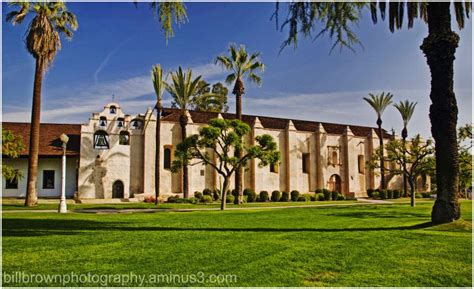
418 195
172 199
247 191
198 195
426 194
396 194
294 195
186 200
389 194
334 195
285 197
216 194
383 194
251 197
149 199
313 198
207 192
307 197
301 199
318 191
276 196
206 199
327 195
340 197
263 197
245 199
369 193
375 194
320 197
229 199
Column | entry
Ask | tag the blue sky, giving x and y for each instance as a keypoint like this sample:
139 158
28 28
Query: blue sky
116 45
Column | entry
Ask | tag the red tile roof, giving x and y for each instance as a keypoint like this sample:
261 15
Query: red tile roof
50 144
172 114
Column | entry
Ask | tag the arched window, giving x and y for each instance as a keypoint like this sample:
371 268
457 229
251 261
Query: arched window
120 122
113 109
361 163
124 138
167 158
101 140
334 159
102 121
136 124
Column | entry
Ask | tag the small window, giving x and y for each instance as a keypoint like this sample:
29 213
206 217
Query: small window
13 183
136 124
48 179
305 163
113 109
167 158
124 138
202 173
334 158
101 140
103 121
361 163
274 168
120 122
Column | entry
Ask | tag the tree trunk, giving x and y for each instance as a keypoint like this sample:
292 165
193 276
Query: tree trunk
31 193
382 164
412 192
225 187
404 137
157 151
238 91
439 48
183 120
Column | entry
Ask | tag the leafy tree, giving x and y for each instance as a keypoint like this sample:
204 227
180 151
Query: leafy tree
406 110
379 102
211 99
12 146
50 19
336 19
184 91
241 65
411 160
465 157
159 86
221 137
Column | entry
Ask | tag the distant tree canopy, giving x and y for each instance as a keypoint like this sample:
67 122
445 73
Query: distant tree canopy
211 99
12 146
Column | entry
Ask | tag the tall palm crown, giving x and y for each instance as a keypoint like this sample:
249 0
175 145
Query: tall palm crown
183 88
159 83
406 109
167 12
42 37
241 64
379 102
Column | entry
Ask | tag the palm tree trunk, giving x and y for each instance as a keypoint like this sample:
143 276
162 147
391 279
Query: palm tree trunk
439 48
184 122
382 164
238 91
157 151
404 139
31 193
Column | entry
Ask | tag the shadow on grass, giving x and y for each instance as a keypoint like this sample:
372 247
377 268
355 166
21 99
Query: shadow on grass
16 227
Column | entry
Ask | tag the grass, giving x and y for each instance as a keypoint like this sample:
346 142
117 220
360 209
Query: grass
15 205
389 245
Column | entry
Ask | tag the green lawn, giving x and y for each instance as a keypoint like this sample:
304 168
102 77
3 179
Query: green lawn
388 245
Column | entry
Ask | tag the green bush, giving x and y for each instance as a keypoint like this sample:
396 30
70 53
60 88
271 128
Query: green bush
418 196
229 199
216 194
340 197
301 199
389 194
327 195
245 199
383 194
263 197
318 191
194 200
334 195
172 199
207 192
320 197
185 200
314 198
307 197
247 191
198 195
285 197
206 199
294 195
369 193
396 194
426 195
375 194
251 197
276 196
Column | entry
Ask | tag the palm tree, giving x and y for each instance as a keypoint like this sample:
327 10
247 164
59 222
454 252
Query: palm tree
406 109
159 85
43 42
167 12
379 103
241 65
439 47
183 89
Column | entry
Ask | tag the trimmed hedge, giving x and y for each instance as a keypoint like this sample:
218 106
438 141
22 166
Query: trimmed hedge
263 197
375 194
198 195
207 192
320 197
294 195
334 195
276 195
369 193
285 197
229 199
206 199
327 195
251 197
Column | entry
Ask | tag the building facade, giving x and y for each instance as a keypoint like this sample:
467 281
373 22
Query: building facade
116 158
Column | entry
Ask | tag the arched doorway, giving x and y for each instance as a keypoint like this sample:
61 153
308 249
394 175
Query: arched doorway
117 190
334 183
